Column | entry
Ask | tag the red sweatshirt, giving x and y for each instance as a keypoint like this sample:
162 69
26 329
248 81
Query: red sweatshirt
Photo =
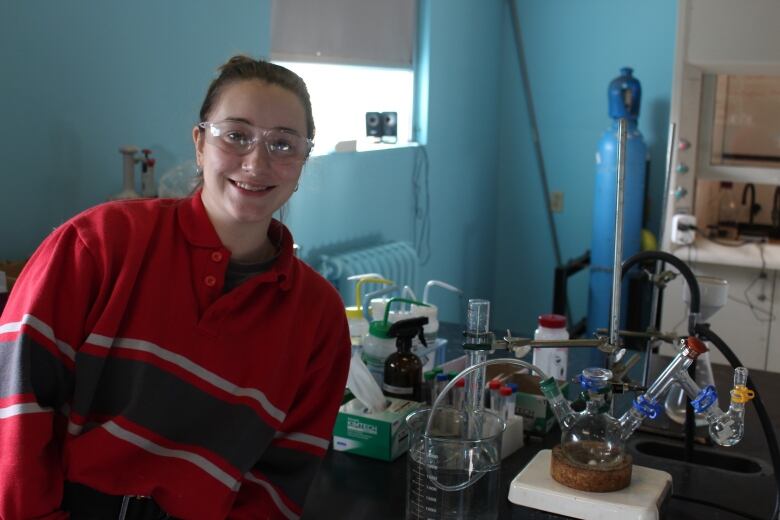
123 367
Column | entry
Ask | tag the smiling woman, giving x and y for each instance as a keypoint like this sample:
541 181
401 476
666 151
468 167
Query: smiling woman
243 185
178 340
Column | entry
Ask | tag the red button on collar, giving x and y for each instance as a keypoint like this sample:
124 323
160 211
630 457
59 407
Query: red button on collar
216 256
210 280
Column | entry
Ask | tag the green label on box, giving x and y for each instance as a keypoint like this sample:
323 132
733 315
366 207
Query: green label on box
380 435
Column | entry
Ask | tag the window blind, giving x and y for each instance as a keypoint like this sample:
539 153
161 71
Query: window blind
378 33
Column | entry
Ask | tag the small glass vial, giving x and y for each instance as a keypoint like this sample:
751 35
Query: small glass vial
507 410
458 393
438 385
494 385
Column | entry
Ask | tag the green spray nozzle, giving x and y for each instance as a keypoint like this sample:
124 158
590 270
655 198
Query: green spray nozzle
380 329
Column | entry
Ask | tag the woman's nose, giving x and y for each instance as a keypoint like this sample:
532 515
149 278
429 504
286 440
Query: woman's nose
257 159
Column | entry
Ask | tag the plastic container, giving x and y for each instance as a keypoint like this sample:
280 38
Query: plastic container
358 324
552 360
378 345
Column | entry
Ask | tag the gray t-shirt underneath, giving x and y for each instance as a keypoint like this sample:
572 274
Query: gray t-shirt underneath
239 273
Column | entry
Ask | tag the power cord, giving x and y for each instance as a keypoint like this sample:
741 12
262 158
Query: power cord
422 206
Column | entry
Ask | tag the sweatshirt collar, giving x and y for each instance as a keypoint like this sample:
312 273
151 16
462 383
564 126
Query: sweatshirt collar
200 232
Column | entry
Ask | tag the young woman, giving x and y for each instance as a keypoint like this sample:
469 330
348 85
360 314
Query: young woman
164 357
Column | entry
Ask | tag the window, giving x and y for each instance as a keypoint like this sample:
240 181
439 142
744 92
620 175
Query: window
356 56
342 94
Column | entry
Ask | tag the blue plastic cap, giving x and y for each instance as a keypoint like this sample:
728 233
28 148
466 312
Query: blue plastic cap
442 377
624 94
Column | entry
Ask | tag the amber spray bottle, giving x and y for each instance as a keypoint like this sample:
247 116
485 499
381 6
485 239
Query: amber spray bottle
403 369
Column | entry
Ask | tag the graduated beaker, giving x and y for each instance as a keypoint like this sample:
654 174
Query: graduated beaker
468 469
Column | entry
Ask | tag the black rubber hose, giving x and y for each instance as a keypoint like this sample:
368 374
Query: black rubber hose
704 331
693 285
693 288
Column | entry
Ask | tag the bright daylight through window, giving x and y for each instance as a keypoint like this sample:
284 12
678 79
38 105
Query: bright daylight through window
342 94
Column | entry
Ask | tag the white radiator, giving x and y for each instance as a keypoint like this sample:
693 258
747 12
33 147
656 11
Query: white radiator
396 261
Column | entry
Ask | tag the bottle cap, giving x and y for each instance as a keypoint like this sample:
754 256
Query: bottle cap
494 384
460 383
696 345
442 377
552 321
429 375
505 390
513 386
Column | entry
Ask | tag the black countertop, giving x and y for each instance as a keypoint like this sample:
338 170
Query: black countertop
739 478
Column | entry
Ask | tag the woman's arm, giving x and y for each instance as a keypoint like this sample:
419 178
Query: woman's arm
41 328
277 486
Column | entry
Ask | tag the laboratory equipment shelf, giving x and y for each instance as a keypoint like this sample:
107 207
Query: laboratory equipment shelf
350 486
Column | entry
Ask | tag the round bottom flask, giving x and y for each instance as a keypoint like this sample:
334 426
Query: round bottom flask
592 455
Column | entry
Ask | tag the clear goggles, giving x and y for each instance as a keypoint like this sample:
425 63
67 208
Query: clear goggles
236 137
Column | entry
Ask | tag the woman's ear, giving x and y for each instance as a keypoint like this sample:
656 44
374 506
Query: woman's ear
198 139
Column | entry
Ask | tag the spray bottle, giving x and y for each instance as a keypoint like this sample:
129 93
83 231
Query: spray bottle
403 369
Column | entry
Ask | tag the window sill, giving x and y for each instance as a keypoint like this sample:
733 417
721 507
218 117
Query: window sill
360 146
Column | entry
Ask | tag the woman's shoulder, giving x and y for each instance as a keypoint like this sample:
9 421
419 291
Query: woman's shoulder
124 214
317 288
122 221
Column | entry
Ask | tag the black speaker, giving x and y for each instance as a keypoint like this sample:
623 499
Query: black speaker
374 124
390 126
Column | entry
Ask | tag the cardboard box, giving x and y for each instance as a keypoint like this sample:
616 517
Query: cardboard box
538 417
380 435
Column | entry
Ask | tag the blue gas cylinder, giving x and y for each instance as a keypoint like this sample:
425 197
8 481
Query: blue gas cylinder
624 96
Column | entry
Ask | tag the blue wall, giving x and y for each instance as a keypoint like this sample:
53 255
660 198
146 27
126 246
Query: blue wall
82 79
347 198
573 50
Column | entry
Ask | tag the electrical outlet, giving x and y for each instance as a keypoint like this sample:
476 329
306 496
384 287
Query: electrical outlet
556 202
683 229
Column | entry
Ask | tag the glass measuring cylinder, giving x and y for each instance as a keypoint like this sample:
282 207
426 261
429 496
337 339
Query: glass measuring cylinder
446 456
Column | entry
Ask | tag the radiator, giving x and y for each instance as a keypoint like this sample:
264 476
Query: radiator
396 261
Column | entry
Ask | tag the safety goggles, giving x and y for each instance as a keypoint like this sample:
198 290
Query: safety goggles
236 137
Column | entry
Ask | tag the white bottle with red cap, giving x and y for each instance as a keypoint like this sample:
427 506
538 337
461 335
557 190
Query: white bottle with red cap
553 361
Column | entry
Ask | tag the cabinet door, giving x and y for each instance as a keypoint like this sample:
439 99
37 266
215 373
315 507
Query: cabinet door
744 329
773 357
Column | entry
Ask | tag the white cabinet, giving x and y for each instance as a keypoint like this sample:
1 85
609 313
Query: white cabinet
773 353
745 323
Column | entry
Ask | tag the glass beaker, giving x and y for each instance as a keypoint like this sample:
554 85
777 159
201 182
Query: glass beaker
447 457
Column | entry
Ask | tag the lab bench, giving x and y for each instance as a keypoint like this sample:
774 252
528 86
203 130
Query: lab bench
739 478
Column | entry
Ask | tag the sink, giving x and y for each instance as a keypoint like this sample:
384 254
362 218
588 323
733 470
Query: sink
758 230
701 456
